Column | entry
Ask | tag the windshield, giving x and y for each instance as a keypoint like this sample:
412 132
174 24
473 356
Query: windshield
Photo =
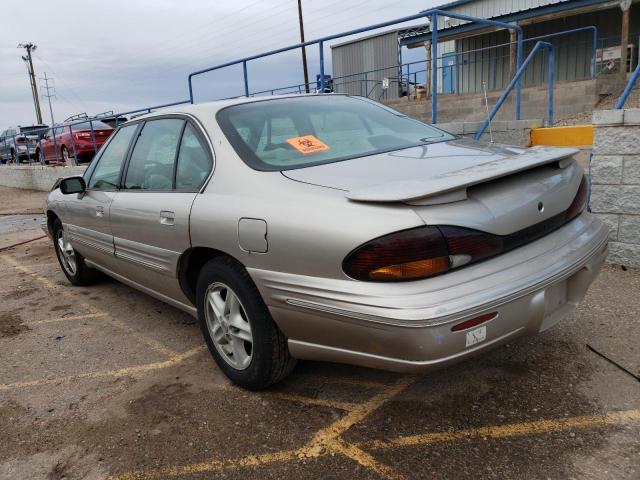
289 133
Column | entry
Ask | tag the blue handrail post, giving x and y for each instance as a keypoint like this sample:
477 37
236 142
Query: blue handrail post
518 65
321 46
514 82
17 152
73 145
595 53
434 68
246 79
93 137
627 90
40 155
552 67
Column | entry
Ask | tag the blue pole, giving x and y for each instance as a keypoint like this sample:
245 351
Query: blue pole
595 53
434 68
246 79
17 152
512 84
552 66
93 137
518 65
627 90
321 45
73 144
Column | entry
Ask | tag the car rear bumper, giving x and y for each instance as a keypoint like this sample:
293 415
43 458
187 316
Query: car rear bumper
407 326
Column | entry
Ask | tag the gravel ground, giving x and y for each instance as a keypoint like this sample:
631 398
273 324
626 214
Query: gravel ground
107 383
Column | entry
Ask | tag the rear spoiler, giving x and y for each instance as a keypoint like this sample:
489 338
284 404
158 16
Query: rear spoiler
454 184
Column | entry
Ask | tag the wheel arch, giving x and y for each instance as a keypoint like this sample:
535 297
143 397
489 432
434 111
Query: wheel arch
51 218
190 264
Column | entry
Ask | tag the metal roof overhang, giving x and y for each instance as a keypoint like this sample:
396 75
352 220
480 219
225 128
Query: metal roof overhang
461 31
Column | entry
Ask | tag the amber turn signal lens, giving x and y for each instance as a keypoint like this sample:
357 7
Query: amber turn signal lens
411 270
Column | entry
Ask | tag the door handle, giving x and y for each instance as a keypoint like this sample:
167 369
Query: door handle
167 217
99 211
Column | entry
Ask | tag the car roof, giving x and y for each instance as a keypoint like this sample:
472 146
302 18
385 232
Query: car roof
207 108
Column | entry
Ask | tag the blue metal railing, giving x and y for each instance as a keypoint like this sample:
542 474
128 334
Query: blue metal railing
627 90
538 46
431 14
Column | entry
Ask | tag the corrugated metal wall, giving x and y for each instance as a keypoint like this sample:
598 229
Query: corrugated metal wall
573 52
373 53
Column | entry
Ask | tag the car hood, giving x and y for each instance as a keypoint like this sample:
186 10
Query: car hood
434 170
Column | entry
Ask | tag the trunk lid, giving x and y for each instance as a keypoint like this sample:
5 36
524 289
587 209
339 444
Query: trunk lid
496 189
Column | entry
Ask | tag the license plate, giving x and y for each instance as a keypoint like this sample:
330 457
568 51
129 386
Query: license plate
476 336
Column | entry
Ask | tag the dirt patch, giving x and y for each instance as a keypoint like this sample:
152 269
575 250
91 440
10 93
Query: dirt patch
58 308
19 293
11 325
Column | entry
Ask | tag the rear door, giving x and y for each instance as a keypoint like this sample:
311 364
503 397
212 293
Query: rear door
86 216
167 167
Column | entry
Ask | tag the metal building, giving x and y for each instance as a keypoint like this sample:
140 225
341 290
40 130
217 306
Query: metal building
470 56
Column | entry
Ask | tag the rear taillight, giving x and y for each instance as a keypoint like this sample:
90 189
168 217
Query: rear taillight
579 202
427 251
407 255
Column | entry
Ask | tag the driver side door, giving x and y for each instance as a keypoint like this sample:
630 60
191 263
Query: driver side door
87 214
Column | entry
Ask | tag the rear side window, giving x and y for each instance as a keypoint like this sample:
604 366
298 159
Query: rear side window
194 163
107 170
152 160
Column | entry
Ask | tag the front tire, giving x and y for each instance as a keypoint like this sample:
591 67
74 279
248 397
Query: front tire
71 262
242 337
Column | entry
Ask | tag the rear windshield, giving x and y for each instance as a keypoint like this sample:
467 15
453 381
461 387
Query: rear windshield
289 133
97 125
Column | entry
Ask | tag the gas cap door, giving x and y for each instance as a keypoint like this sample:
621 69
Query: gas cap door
252 235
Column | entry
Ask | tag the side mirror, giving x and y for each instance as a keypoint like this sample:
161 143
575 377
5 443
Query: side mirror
71 185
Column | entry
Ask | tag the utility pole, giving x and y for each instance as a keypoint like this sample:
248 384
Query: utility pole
48 95
304 50
30 47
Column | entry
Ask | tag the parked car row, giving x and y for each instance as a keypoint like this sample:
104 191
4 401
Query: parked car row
58 144
19 142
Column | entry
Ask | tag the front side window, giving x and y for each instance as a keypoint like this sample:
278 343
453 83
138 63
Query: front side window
194 162
107 170
288 133
153 156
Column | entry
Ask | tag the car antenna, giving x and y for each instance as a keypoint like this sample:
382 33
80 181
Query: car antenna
486 106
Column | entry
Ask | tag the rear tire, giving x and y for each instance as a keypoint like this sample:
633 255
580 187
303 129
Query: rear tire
71 262
254 364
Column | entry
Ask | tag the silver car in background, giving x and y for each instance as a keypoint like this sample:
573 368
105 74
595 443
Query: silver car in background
330 227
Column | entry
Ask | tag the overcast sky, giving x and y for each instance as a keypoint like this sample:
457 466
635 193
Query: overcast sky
125 54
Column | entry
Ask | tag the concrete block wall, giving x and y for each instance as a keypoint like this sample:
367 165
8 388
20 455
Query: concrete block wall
615 180
35 177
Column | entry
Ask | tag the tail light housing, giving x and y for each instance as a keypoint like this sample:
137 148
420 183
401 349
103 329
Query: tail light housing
579 202
424 252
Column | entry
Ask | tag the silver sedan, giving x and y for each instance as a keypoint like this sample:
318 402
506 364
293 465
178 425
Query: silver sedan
330 227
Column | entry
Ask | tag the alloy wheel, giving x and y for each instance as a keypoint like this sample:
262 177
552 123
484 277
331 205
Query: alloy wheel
67 253
228 326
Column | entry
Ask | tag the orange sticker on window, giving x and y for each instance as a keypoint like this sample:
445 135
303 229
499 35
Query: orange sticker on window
307 144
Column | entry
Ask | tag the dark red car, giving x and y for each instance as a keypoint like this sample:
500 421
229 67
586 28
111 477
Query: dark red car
73 141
